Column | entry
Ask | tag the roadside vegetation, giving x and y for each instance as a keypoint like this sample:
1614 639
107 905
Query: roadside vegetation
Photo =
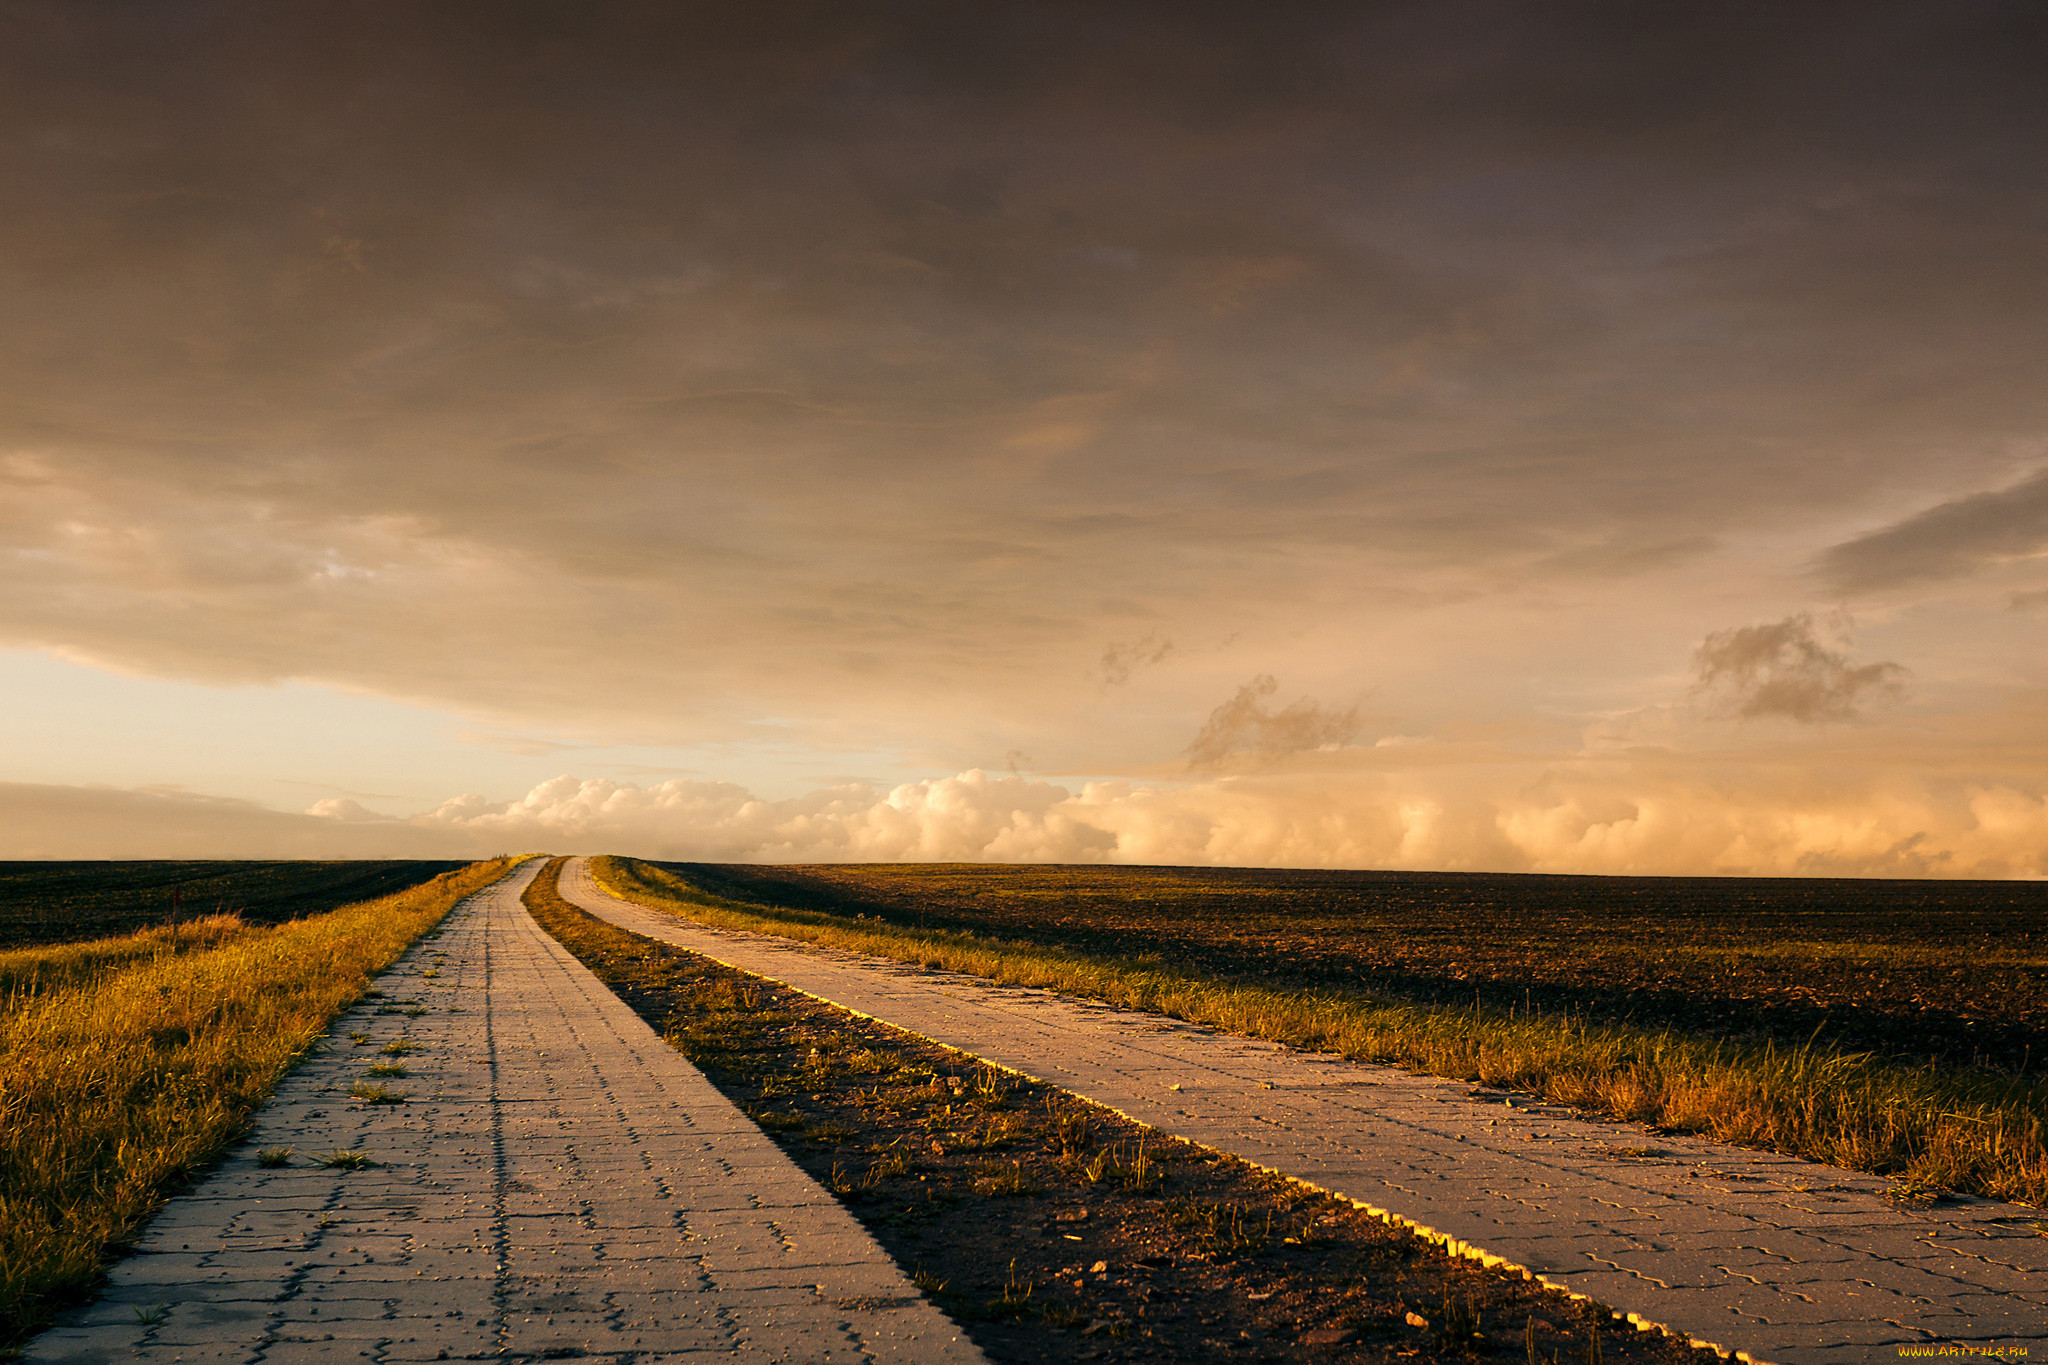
1933 1125
66 902
128 1064
1053 1230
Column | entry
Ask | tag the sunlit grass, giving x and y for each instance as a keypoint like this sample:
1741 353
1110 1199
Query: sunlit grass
126 1064
1928 1127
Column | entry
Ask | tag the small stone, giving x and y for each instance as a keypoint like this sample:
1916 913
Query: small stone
1099 1268
1328 1336
1417 1320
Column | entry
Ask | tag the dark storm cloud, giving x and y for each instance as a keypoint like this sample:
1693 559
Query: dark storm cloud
1946 541
787 360
1786 669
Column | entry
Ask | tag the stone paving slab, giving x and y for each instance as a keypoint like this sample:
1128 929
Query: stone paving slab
1759 1255
559 1182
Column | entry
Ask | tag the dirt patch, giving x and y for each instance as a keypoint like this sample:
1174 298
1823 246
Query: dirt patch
1053 1230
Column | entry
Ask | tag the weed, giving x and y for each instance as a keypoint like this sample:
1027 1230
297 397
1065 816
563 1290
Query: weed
781 1123
1222 1227
828 1132
993 1088
887 1167
1914 1190
1460 1322
1073 1128
1132 1169
359 1038
1015 1300
997 1132
341 1159
928 1283
397 1048
152 1316
376 1094
1143 1171
274 1156
388 1069
415 1012
1010 1178
1307 1234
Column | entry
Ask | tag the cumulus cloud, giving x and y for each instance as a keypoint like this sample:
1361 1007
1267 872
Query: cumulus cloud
1623 816
972 817
344 810
1244 725
1945 541
1785 669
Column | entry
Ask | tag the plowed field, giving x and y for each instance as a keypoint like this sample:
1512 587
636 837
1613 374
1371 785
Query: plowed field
1955 972
64 902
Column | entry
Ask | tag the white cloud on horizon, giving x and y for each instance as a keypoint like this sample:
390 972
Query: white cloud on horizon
1588 817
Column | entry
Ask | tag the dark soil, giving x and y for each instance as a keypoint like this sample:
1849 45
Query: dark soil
1034 1221
1955 972
64 902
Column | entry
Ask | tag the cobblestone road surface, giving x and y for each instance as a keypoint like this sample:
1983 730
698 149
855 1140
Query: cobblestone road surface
560 1183
1763 1256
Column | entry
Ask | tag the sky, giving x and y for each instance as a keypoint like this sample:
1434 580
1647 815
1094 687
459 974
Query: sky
1567 438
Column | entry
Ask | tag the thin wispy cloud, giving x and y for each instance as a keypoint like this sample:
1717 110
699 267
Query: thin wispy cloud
1945 541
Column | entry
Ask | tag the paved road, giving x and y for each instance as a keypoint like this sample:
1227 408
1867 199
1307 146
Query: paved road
560 1183
1764 1256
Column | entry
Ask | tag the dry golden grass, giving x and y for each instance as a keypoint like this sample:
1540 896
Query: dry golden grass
1930 1128
126 1064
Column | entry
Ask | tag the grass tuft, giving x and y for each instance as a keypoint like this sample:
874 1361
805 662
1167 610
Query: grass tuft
340 1159
376 1094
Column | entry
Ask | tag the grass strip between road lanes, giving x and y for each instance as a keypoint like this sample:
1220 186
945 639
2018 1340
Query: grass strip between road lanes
1052 1230
1931 1129
127 1064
